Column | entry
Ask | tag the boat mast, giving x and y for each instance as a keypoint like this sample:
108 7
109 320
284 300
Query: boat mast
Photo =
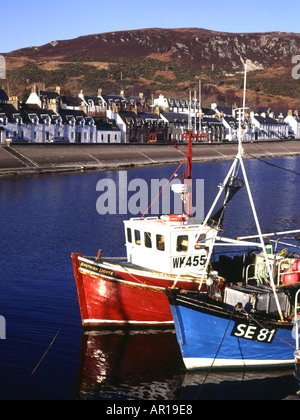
240 158
188 179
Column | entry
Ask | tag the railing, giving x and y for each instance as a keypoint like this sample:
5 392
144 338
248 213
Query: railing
297 319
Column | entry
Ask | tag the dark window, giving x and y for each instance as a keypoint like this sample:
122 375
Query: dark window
148 241
182 243
137 237
129 236
160 242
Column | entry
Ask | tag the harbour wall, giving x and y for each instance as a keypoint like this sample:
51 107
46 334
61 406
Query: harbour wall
29 159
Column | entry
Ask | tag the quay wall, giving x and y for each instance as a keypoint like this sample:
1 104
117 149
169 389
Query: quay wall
29 158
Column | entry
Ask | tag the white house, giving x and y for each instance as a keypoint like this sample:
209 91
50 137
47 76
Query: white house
265 127
94 104
44 99
293 122
107 131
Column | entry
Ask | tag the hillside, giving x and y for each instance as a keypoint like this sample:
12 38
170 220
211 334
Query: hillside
169 61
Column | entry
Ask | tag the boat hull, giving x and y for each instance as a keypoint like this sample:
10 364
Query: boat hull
110 295
212 337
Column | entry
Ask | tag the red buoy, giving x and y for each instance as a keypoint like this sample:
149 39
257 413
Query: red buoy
289 277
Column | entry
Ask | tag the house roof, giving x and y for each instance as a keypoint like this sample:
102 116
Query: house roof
3 95
148 115
175 117
268 120
106 124
113 98
50 95
71 100
9 110
72 112
225 109
208 111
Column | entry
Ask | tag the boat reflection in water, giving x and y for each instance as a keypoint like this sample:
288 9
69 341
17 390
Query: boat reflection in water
147 365
236 385
130 364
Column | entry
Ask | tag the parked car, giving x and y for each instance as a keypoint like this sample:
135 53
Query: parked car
18 140
59 140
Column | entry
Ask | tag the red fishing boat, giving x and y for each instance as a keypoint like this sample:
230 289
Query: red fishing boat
169 251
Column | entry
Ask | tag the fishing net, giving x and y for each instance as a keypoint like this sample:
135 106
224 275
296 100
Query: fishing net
233 185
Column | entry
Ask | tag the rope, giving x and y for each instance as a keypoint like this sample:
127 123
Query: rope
273 164
262 326
54 338
164 187
219 348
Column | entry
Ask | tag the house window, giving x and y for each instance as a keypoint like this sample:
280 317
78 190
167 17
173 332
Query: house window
148 241
182 243
160 242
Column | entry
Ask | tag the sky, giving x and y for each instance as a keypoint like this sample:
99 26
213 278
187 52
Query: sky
35 23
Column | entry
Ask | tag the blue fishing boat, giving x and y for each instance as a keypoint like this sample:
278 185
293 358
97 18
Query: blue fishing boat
251 321
213 335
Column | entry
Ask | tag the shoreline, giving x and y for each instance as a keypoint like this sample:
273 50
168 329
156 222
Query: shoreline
30 159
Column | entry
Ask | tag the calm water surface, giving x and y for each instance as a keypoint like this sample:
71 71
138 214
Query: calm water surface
42 221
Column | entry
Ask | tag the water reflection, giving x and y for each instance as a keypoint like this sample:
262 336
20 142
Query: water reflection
138 365
238 385
147 365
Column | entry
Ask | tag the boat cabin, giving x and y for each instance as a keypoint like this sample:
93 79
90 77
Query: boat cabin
168 244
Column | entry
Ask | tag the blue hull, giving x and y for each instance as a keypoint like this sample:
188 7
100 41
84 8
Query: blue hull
211 336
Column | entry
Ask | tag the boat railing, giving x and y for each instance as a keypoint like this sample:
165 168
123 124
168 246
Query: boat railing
297 319
287 262
260 273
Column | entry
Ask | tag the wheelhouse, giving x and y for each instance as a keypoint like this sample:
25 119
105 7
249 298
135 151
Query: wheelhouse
168 246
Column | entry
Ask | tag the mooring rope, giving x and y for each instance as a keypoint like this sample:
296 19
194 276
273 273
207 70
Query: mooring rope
56 335
216 355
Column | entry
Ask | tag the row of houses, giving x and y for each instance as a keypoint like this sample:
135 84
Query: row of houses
52 117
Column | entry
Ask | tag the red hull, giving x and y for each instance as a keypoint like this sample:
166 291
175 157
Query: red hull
123 299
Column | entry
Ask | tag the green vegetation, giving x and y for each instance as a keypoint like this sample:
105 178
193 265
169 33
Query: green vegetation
150 76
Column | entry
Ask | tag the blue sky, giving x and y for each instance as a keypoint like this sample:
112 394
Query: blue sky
34 23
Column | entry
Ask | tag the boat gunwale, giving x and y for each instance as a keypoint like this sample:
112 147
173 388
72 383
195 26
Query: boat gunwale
215 308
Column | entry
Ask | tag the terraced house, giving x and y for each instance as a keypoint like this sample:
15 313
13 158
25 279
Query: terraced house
105 118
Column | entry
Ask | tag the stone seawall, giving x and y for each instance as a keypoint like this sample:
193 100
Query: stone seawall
28 159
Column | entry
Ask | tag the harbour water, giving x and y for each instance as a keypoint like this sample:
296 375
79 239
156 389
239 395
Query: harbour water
45 354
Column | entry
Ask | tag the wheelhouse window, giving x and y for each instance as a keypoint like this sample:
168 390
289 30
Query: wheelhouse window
148 240
137 237
182 243
200 242
160 242
129 235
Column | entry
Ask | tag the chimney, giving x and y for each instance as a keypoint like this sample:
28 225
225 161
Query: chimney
57 89
34 89
14 100
122 93
81 95
99 92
